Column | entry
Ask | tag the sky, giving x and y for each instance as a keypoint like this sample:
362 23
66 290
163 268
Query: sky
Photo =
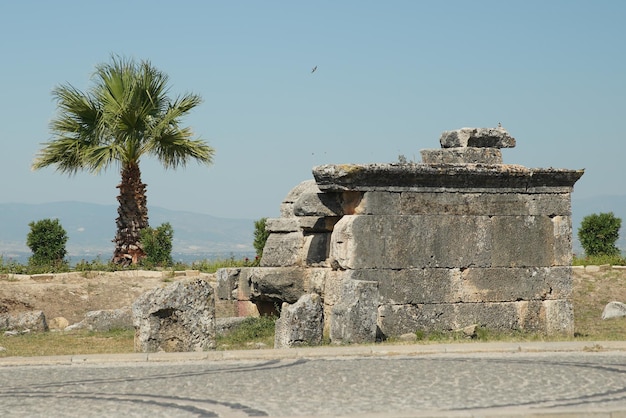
391 76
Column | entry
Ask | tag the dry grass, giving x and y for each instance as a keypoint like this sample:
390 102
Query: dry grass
67 343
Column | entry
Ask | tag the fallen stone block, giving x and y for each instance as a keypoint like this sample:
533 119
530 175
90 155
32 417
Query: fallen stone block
300 324
614 310
179 317
105 320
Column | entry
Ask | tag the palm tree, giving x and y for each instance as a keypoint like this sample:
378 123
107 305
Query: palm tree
125 115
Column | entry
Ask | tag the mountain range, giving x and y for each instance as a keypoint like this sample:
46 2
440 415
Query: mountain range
91 227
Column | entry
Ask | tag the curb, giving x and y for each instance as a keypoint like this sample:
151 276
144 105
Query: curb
323 352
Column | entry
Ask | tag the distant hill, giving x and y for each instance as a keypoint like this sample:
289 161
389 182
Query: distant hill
91 228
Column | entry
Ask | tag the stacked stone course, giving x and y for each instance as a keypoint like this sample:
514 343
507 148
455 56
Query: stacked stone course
458 239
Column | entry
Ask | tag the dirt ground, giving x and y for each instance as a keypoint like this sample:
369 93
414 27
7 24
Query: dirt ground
72 295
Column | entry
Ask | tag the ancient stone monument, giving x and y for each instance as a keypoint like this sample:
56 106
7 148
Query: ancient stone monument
456 240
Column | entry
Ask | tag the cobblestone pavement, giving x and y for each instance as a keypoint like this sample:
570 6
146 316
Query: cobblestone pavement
454 384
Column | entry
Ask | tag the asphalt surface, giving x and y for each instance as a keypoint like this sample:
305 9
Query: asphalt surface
446 380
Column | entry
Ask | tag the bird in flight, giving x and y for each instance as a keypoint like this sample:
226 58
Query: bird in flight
313 70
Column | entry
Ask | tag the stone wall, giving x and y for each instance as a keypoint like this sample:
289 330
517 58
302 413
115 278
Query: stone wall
459 239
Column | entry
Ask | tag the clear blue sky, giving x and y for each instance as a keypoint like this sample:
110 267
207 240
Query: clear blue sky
392 75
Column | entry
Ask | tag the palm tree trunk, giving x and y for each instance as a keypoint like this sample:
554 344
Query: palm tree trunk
133 216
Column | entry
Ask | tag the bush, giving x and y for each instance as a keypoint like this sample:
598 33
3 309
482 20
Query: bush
47 240
157 244
598 234
260 236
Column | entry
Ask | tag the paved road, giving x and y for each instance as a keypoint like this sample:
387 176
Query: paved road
493 380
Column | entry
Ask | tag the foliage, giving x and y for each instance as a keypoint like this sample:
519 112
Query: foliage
127 114
598 234
251 330
260 236
598 260
47 240
211 266
157 244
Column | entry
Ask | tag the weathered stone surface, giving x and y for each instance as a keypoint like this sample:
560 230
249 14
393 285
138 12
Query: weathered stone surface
354 316
105 320
551 317
282 225
311 224
21 321
462 156
503 204
179 317
283 250
477 137
316 249
362 242
301 323
286 207
523 241
224 326
614 310
434 177
275 284
318 204
470 285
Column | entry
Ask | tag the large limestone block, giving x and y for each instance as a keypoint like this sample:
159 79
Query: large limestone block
354 317
286 207
496 178
316 249
227 283
550 317
479 203
274 284
300 324
179 317
470 285
462 156
524 241
283 250
394 242
477 137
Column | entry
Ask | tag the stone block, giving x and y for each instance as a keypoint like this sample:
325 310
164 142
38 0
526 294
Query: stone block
300 324
280 225
275 284
522 241
283 250
562 227
550 317
318 204
379 203
393 242
470 285
287 205
179 317
462 156
479 204
227 283
477 137
316 249
354 317
311 224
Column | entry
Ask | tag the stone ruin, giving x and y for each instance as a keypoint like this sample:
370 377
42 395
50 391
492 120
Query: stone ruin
460 239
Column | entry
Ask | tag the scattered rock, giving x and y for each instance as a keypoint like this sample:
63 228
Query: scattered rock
105 320
408 337
31 320
179 317
58 323
614 310
477 138
301 323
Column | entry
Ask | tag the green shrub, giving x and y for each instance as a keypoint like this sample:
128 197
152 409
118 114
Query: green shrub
598 260
598 234
157 244
47 240
260 236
